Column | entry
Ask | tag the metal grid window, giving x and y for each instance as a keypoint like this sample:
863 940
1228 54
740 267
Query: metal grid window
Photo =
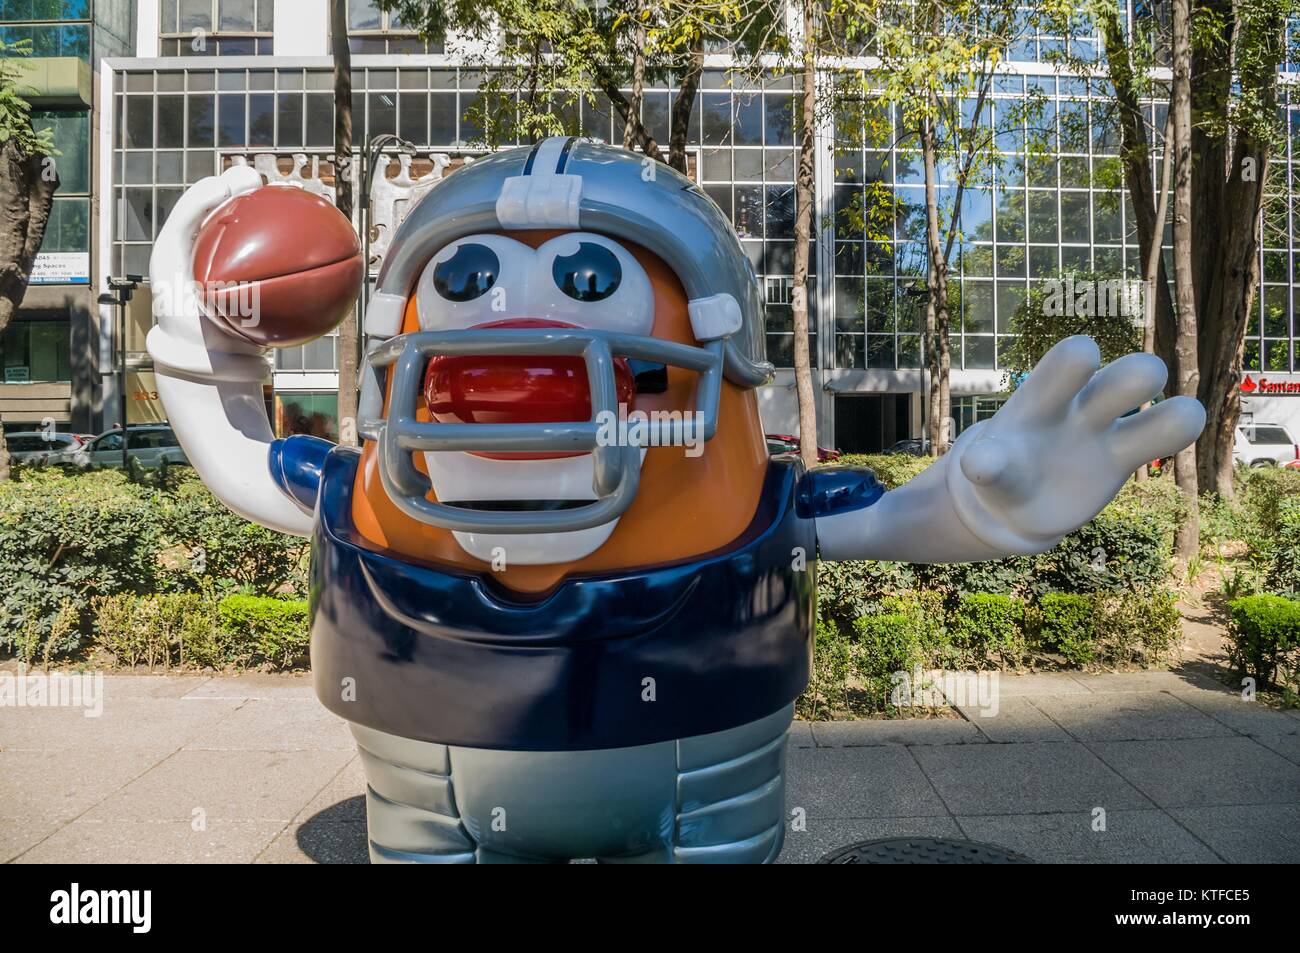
54 27
217 27
1029 220
372 30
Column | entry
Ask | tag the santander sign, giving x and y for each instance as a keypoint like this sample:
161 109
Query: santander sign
1265 387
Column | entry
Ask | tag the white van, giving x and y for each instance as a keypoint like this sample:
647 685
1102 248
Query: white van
1264 445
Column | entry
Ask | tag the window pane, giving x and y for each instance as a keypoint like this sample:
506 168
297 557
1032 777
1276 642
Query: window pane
235 15
290 110
230 129
363 15
195 15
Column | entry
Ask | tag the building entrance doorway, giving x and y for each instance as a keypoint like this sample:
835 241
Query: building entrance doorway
870 423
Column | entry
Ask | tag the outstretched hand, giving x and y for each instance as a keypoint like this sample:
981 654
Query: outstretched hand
1063 445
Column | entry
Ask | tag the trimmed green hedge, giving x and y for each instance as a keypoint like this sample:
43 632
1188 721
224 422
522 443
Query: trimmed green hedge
856 665
1264 632
68 539
198 630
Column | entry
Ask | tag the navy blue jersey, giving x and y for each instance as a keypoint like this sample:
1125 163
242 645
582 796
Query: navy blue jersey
604 660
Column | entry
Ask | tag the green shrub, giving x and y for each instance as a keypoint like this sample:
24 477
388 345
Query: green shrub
1119 550
853 588
266 629
988 630
1064 622
1134 628
68 539
827 691
891 469
1263 490
1264 634
1282 553
159 630
883 646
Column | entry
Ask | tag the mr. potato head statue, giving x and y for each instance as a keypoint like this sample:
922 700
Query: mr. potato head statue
561 593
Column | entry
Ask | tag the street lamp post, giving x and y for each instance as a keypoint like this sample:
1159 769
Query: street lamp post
119 294
370 156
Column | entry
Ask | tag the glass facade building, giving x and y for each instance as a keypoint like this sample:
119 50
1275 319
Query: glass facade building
177 118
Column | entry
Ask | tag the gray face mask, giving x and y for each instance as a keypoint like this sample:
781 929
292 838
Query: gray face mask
617 464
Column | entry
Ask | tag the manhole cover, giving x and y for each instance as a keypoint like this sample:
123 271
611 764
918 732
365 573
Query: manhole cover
922 850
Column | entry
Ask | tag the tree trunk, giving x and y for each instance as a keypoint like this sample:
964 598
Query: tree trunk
631 120
1151 261
1134 152
1227 210
936 310
27 186
1188 541
803 202
349 333
684 104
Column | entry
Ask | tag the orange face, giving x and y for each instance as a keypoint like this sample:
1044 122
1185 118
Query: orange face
686 506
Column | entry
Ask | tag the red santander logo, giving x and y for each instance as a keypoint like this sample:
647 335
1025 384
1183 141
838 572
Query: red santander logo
1265 387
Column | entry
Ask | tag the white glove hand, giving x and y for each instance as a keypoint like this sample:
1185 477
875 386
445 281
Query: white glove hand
184 338
1055 454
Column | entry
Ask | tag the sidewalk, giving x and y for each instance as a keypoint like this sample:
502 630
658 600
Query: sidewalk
252 768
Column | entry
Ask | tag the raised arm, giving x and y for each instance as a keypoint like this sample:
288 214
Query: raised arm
1047 462
209 381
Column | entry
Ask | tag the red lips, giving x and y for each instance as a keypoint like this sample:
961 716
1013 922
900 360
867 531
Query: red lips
492 389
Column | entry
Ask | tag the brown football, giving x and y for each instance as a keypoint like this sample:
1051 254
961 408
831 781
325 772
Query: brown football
278 266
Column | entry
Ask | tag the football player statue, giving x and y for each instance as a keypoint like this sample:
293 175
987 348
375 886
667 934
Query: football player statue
561 593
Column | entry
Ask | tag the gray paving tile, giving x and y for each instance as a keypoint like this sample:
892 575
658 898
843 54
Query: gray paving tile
235 785
1130 837
59 785
153 842
18 835
255 685
155 724
1198 772
341 800
859 782
1039 683
826 834
801 735
1128 716
1248 834
907 731
1288 746
1247 717
282 724
1105 683
1016 720
151 686
1029 778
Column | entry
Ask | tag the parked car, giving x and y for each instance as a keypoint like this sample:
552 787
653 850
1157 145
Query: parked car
1264 445
786 443
38 448
150 445
912 446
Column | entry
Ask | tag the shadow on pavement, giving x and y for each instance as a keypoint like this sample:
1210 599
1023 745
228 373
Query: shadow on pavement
336 835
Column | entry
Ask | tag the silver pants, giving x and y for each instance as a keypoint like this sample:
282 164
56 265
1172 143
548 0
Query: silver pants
716 798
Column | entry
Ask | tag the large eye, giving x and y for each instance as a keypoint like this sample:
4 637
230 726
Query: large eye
592 273
468 273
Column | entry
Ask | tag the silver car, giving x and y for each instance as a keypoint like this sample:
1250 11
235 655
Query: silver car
150 445
38 447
